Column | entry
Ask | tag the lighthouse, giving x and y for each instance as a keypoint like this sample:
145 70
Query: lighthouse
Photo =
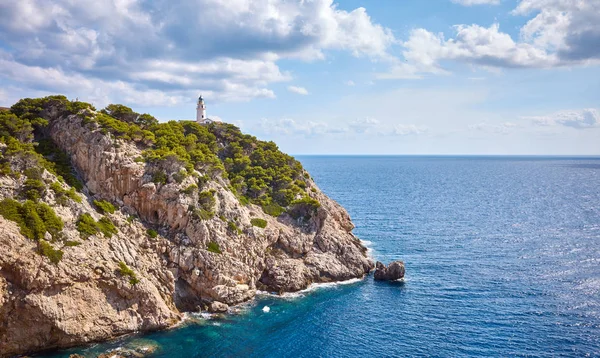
201 111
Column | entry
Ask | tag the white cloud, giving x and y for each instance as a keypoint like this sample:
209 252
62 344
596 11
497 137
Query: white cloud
298 90
350 83
229 49
579 119
561 33
476 2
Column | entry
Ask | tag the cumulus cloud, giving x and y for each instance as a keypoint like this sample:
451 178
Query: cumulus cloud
579 119
560 33
298 90
226 49
350 83
476 2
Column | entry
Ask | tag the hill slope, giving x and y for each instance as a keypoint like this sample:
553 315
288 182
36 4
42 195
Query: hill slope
111 222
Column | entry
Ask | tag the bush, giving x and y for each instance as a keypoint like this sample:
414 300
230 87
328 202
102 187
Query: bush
33 219
231 226
46 249
190 189
34 189
159 177
151 233
106 226
105 207
273 209
124 270
261 223
305 207
213 247
203 214
62 195
86 225
72 243
59 162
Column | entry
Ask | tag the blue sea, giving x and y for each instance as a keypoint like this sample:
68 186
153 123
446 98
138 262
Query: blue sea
502 259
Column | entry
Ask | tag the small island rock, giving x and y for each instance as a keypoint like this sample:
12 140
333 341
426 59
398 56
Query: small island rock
394 271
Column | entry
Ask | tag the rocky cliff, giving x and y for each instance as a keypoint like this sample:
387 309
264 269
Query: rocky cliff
186 235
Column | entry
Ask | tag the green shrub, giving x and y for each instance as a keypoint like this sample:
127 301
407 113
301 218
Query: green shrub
124 270
305 207
58 162
33 219
314 190
34 189
131 219
46 249
190 189
213 247
180 176
106 226
203 214
104 207
72 243
261 223
151 233
159 177
86 225
62 195
273 209
231 226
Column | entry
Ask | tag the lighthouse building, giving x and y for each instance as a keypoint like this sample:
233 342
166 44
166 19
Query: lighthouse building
201 112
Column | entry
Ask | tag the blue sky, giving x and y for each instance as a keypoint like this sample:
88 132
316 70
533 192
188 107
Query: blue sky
325 77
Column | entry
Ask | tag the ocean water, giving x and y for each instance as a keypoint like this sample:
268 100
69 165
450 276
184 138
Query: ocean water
502 258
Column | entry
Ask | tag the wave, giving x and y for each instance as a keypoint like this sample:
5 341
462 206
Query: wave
312 287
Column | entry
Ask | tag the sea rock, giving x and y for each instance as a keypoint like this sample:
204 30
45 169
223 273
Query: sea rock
218 307
394 271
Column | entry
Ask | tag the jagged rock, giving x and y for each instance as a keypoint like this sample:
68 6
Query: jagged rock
85 298
218 307
394 271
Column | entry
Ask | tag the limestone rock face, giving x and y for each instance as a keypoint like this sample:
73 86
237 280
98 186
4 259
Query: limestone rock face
85 298
394 271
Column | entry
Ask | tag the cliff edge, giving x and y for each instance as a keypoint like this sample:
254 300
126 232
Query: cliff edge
111 222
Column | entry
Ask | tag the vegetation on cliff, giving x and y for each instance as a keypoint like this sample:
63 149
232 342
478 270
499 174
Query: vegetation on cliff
257 171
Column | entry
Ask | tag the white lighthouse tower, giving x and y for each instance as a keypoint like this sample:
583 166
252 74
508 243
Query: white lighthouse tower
201 112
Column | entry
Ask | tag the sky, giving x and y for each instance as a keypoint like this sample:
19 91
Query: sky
323 76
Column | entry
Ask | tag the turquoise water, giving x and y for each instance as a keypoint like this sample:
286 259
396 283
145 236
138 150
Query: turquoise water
502 258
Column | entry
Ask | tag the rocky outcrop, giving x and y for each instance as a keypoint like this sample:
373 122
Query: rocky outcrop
394 271
86 298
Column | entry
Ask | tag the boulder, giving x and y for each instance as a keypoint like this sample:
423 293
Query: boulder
218 307
394 271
